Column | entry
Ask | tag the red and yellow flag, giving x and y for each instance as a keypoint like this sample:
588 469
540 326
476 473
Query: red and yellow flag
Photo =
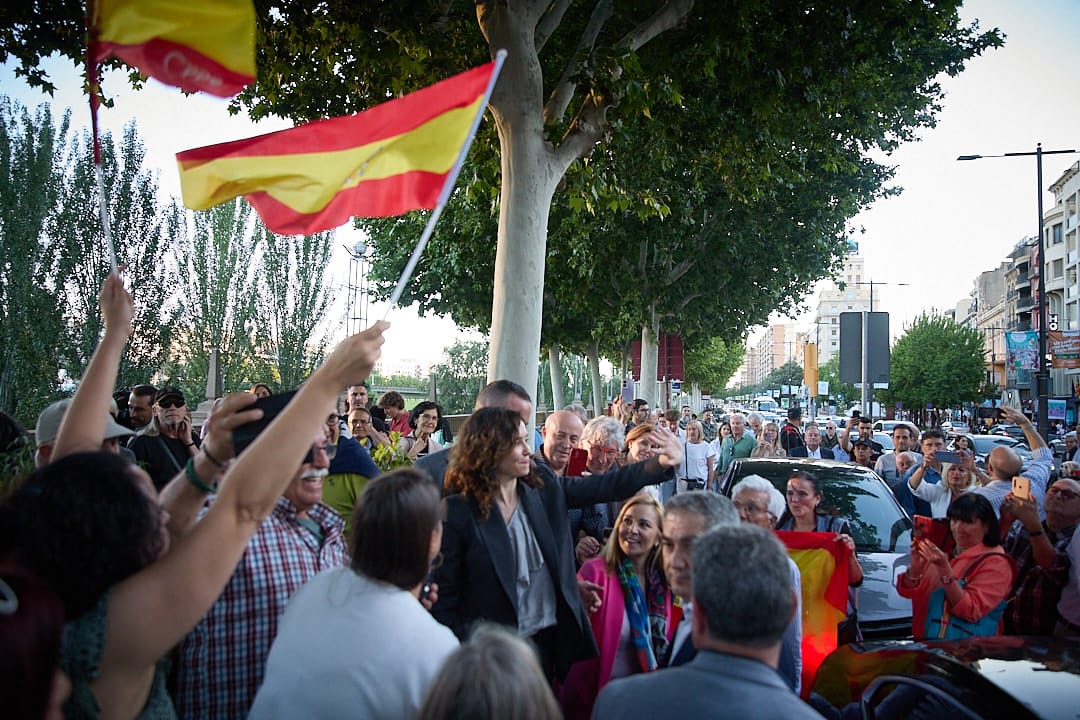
823 566
197 45
385 161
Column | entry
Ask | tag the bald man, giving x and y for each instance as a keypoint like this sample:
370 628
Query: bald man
561 433
1002 464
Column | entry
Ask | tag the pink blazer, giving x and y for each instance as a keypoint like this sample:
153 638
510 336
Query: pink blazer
587 678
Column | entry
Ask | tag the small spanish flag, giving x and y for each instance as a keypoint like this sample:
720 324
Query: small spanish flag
392 158
196 45
823 566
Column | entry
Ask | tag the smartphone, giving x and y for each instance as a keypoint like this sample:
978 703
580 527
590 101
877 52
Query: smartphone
947 456
578 459
244 435
924 526
1021 488
627 391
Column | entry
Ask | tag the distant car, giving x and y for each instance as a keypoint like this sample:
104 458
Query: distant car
885 439
983 444
887 426
986 677
954 428
1012 430
880 527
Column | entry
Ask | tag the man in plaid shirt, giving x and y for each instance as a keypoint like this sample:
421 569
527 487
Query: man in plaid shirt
220 664
1039 550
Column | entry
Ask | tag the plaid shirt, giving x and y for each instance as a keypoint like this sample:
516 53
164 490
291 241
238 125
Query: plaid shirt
220 664
1032 608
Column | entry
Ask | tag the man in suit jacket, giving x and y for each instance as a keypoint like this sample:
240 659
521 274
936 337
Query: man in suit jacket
743 602
812 448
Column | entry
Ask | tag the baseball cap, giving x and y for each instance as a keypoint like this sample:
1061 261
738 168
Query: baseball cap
48 424
167 392
864 442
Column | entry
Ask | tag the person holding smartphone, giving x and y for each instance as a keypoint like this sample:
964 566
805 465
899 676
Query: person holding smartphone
959 478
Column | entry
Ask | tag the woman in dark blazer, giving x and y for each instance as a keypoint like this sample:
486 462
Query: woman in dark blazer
507 553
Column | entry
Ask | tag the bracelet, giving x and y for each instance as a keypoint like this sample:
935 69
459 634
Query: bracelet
189 444
913 578
210 457
194 477
1037 533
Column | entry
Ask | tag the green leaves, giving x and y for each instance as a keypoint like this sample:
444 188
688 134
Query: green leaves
936 361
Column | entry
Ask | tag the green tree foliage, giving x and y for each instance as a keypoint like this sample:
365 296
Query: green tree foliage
712 363
31 328
218 299
790 373
830 373
460 378
294 299
936 361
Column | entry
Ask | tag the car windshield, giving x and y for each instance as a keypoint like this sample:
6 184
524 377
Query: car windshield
878 524
885 439
985 443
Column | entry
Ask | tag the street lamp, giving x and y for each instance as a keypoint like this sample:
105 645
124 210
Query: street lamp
1041 375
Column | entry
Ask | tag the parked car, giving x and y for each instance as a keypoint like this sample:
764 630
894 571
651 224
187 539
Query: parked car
885 440
986 677
887 426
983 444
1010 429
880 527
954 428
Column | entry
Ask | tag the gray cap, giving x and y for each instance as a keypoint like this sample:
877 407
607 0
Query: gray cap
48 424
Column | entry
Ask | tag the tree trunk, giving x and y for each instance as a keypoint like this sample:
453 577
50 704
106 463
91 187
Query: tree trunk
649 349
558 402
599 406
529 177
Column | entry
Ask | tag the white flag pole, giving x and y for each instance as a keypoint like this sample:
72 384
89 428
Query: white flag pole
448 186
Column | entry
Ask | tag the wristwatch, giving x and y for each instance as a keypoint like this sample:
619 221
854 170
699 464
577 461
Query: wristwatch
947 579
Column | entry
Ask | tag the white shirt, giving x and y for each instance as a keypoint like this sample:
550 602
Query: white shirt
350 646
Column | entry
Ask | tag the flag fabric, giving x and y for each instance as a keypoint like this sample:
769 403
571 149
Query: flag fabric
385 161
824 568
197 45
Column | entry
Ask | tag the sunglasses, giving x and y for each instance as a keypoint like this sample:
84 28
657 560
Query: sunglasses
171 403
330 450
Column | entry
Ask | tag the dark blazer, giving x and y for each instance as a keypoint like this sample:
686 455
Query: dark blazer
710 685
801 452
477 576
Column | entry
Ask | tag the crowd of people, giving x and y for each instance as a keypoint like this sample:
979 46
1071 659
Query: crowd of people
261 565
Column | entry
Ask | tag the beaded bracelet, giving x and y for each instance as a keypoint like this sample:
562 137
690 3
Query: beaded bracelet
210 457
194 477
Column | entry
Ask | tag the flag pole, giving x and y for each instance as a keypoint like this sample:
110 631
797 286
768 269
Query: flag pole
93 81
448 186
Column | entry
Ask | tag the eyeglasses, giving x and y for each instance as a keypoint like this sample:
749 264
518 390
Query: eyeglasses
170 403
330 450
361 421
1065 494
603 451
750 508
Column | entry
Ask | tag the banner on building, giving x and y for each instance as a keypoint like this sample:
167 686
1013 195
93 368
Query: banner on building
1022 350
1064 349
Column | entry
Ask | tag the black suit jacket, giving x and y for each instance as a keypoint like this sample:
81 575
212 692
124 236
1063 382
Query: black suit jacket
800 451
477 576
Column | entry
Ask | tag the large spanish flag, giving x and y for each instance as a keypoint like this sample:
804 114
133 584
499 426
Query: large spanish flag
823 565
387 160
197 45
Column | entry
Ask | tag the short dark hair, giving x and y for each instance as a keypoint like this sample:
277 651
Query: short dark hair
494 394
30 634
866 420
742 585
144 390
931 433
82 524
639 403
392 398
970 507
391 527
414 414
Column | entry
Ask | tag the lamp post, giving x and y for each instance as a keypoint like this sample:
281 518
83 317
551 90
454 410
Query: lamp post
1041 374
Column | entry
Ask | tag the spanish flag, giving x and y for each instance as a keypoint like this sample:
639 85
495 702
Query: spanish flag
823 565
385 161
196 45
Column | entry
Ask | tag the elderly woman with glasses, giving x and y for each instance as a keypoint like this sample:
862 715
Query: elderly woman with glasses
804 513
602 438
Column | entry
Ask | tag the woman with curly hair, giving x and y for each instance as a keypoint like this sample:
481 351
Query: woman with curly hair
90 525
506 546
635 595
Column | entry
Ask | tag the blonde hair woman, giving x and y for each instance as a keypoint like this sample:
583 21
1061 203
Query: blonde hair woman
958 479
769 442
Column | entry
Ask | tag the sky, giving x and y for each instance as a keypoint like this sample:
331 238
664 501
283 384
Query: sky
952 221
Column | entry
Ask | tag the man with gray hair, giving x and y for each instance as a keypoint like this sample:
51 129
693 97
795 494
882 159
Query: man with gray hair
760 503
688 516
743 605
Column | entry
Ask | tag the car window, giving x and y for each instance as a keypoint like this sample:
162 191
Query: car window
859 496
896 698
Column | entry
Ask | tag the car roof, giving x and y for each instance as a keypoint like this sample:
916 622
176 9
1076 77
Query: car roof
997 676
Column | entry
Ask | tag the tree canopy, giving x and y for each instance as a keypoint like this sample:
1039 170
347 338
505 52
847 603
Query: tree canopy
936 361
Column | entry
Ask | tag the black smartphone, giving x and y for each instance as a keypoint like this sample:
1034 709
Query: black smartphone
947 456
244 435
